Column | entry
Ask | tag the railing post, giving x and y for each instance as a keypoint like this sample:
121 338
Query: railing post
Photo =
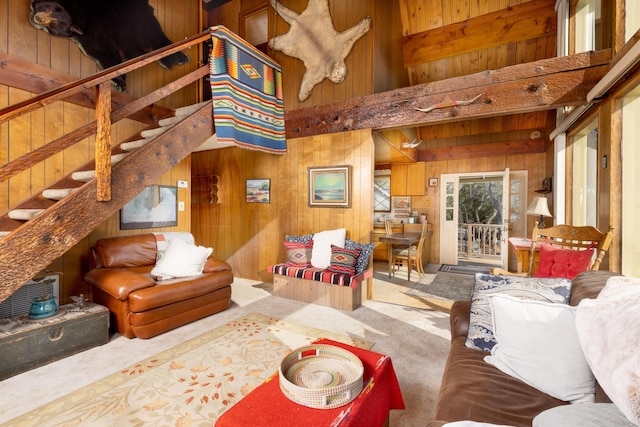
103 142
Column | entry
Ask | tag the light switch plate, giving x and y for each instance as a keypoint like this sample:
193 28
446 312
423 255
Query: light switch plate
180 206
183 184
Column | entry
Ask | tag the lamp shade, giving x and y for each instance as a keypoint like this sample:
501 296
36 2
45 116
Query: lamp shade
538 206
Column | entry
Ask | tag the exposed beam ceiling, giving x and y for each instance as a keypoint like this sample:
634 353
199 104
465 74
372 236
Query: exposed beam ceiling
536 86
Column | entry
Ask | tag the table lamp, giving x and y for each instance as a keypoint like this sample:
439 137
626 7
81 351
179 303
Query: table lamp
540 207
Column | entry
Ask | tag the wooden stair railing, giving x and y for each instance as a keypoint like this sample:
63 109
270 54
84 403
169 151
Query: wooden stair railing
31 246
36 243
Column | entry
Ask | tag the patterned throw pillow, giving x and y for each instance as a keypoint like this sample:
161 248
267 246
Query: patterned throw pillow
298 239
298 254
558 262
480 335
343 260
366 249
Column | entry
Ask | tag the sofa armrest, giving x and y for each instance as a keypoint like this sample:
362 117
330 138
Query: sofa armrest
214 264
459 318
118 283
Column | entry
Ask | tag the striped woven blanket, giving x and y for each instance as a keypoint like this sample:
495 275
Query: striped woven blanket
246 91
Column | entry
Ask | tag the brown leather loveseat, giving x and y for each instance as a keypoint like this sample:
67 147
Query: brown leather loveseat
142 307
473 389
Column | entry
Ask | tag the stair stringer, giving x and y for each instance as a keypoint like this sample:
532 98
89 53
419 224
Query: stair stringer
38 242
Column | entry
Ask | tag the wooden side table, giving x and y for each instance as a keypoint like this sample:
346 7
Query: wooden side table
26 344
522 247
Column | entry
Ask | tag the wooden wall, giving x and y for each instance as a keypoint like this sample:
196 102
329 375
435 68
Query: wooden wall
178 18
375 61
250 235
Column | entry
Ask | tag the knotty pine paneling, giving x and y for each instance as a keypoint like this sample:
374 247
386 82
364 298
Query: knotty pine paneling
249 235
179 20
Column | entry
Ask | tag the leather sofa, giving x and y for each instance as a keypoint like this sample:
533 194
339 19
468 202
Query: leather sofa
142 306
472 389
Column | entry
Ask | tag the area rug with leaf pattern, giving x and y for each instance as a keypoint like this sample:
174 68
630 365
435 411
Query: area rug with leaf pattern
191 384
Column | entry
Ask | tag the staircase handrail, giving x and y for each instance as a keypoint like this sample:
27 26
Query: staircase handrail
80 85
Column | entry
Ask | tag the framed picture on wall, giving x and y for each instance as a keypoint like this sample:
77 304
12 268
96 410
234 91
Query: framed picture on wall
330 187
155 206
258 190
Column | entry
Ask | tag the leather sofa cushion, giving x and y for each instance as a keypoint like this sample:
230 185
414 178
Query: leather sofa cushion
127 251
475 390
117 282
171 291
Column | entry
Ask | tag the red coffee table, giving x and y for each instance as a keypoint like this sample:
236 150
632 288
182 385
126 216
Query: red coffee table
267 406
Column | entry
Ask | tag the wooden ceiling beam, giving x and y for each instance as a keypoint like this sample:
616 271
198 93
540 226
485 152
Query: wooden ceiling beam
535 86
518 23
526 146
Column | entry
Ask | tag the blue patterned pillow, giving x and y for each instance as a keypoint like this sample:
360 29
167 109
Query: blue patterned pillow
480 335
298 239
366 249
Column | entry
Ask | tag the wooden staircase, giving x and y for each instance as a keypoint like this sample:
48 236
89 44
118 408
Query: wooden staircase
44 234
42 228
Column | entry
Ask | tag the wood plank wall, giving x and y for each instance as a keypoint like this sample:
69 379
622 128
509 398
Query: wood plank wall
249 235
179 19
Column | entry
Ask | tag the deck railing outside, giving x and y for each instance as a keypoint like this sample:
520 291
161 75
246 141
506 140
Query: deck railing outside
479 242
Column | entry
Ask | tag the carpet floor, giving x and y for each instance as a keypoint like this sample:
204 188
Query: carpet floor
416 340
466 268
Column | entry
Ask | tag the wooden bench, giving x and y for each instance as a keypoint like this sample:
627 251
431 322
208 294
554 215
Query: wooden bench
295 285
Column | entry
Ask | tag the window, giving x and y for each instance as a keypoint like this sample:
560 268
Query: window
631 19
630 183
382 191
584 152
586 25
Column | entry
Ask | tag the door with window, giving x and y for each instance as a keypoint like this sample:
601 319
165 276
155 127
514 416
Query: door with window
474 218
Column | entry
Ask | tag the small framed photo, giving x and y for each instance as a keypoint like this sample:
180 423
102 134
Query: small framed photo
433 182
258 190
330 187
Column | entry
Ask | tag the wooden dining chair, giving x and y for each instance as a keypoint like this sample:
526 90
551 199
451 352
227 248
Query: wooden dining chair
412 255
388 226
566 237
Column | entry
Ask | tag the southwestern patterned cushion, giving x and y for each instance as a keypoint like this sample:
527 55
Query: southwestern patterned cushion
343 260
298 254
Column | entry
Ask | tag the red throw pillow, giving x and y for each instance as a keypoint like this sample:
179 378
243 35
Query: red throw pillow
298 253
343 260
558 262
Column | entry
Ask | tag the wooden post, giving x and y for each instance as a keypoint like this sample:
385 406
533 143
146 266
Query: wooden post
103 142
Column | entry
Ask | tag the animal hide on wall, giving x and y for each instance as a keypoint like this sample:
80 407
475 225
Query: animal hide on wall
110 32
313 39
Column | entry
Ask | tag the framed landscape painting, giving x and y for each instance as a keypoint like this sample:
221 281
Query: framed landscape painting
155 206
330 187
258 191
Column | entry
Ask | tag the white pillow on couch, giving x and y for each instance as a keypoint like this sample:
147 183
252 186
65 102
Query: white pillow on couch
537 343
181 259
322 241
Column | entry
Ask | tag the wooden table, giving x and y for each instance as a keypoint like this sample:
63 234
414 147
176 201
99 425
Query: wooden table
267 406
399 239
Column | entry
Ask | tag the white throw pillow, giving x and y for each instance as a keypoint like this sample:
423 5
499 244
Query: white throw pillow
181 259
322 241
538 344
609 331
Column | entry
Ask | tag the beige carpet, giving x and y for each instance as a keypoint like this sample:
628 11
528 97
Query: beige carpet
191 383
416 340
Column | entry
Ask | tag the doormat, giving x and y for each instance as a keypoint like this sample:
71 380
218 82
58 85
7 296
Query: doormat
465 268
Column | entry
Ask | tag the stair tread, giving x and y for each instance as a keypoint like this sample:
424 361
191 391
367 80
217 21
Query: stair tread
188 109
133 145
58 193
83 175
151 133
24 214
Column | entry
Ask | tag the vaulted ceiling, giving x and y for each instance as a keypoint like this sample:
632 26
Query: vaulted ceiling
447 39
